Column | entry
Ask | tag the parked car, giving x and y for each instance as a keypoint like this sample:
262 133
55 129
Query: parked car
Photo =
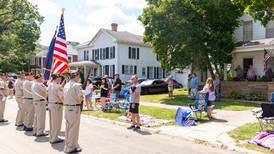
177 84
154 86
140 80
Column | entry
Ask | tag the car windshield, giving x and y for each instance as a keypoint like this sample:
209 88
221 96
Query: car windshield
148 82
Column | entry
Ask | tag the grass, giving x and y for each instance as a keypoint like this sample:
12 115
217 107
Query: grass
181 98
245 133
159 113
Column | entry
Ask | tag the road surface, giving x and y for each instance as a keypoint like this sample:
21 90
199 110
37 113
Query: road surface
96 137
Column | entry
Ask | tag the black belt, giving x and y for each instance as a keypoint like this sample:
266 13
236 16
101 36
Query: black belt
72 105
27 98
40 100
56 103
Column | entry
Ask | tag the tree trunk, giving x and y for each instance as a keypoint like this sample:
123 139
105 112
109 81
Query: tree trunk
209 66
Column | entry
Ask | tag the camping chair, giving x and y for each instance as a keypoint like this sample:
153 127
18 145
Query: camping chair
200 105
113 102
125 101
265 116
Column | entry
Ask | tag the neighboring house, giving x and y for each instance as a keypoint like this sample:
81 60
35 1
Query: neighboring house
119 52
37 61
253 38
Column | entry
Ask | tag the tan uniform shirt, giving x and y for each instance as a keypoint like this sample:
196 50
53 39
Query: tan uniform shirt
39 91
55 93
4 87
27 89
72 93
18 86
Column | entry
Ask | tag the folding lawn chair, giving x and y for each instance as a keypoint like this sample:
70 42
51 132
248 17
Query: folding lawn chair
113 102
200 105
265 116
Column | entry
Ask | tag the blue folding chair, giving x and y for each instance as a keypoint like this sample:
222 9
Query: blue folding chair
200 105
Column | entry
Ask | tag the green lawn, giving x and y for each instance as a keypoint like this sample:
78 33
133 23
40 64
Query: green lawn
181 98
159 113
245 133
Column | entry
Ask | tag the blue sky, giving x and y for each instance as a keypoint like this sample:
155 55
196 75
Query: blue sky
83 18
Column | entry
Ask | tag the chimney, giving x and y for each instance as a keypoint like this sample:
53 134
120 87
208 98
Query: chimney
114 27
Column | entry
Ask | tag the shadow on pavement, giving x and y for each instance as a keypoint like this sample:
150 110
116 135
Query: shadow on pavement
58 146
30 133
143 132
4 123
20 128
220 120
42 139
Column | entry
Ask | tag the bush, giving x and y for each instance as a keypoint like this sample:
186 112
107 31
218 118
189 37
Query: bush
236 95
256 96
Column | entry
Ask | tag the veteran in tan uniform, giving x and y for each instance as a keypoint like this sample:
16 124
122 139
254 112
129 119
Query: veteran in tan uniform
73 97
18 85
55 99
39 94
28 102
4 92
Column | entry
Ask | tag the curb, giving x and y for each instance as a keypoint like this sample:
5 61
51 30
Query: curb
215 144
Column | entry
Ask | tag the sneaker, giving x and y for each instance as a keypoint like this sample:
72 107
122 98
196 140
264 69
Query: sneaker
131 127
137 128
3 120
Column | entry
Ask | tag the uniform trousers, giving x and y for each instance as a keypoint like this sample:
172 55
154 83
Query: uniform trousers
20 113
55 116
39 117
29 112
72 117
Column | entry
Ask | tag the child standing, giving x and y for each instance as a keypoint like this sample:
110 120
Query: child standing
88 94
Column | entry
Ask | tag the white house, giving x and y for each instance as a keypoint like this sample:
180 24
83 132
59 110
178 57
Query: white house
120 52
253 38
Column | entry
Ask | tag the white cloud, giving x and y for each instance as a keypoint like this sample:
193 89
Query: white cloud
129 4
47 7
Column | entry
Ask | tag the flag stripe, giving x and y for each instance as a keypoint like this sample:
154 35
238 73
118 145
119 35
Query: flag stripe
63 48
61 51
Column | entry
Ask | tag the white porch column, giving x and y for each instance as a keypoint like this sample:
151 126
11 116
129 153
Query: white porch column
85 71
225 72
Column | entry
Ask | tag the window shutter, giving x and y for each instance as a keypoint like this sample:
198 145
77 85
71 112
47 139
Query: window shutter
107 53
135 69
123 69
155 71
164 73
113 71
137 53
113 50
148 72
101 54
129 52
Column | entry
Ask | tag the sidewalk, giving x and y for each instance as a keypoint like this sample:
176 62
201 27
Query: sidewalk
213 133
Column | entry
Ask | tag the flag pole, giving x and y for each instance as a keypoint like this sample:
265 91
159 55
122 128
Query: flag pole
63 10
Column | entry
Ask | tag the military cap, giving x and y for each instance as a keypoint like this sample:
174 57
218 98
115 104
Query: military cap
55 76
37 76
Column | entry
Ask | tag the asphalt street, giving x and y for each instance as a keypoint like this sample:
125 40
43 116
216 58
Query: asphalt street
96 137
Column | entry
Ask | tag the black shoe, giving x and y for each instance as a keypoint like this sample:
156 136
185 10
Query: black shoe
3 120
28 129
58 141
131 127
76 150
41 135
25 128
137 128
21 125
34 134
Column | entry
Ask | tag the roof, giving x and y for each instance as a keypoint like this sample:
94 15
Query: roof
83 45
126 37
84 63
120 36
254 45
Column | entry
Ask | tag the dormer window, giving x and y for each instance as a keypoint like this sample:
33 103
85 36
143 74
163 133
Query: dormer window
247 31
269 30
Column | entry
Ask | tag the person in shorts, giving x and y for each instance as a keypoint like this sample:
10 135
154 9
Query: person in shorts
88 94
135 92
170 84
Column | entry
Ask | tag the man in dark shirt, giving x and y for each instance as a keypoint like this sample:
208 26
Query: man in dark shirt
117 86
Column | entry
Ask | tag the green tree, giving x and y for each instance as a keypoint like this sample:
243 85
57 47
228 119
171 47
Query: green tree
262 10
184 32
19 31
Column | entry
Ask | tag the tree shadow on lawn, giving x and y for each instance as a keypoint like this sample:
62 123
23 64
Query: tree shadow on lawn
235 105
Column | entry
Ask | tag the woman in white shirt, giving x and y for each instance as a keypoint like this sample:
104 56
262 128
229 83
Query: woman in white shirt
88 94
209 88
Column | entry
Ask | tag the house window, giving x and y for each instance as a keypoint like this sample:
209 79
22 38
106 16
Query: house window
32 60
104 53
150 72
269 30
107 53
157 57
113 52
69 59
129 69
133 53
143 72
93 54
101 53
247 31
86 55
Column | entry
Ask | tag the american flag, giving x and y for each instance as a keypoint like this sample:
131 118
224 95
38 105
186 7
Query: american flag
267 57
60 54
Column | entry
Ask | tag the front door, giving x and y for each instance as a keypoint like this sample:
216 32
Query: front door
246 63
